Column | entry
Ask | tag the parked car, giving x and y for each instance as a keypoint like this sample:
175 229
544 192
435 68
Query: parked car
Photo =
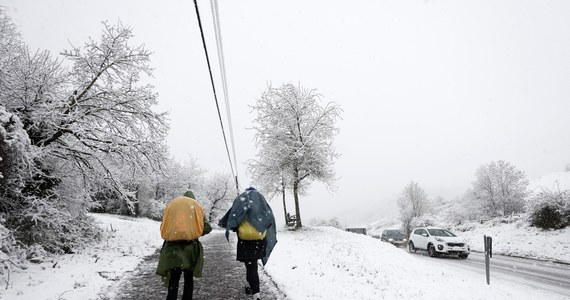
437 241
395 237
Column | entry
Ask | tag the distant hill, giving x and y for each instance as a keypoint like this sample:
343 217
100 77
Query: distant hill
554 181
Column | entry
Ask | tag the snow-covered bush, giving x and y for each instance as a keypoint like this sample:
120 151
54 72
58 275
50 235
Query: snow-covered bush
461 210
12 255
153 209
425 220
53 226
15 157
550 209
333 222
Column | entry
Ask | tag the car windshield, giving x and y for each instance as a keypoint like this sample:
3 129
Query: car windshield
440 232
395 234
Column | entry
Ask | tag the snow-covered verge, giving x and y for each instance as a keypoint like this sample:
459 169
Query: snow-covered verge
515 237
312 263
327 263
84 274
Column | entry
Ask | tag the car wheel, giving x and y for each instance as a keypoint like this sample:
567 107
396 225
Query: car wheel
411 247
431 251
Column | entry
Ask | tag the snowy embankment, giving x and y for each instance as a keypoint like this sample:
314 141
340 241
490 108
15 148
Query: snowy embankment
515 237
312 263
327 263
84 274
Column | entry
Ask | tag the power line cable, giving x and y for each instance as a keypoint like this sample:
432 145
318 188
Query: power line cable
213 86
220 47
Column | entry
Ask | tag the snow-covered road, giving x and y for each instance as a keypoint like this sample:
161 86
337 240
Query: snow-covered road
542 275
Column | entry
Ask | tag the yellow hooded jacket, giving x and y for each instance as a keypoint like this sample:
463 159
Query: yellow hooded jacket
183 219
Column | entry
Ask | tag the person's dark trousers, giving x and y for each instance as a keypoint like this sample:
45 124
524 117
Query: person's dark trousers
252 276
173 284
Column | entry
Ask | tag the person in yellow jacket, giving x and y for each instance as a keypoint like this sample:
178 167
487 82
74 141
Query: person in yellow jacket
183 223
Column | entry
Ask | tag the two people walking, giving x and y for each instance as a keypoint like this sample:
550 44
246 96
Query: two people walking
183 223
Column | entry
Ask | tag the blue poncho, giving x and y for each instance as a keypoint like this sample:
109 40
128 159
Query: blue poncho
251 206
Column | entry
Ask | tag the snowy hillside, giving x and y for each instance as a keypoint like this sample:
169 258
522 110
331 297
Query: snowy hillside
552 181
313 263
514 237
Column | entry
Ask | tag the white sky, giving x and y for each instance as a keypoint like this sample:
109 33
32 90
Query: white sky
430 90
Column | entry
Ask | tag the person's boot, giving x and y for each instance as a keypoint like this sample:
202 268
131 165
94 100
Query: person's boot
256 296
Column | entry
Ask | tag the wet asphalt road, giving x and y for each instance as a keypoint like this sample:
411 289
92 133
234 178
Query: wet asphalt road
544 275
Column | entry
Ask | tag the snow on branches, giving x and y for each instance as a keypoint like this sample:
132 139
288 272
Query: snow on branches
294 135
68 133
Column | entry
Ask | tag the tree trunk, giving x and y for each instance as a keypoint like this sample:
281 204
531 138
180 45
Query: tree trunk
298 224
284 205
137 202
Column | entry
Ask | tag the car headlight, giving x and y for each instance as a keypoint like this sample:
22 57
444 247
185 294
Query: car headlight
439 240
390 240
404 240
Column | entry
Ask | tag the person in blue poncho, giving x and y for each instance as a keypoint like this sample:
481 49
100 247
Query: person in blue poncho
252 218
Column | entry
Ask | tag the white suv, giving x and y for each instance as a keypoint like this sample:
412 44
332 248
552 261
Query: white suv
437 241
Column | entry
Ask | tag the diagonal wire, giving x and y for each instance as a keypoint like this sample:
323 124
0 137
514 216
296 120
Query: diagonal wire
218 33
213 85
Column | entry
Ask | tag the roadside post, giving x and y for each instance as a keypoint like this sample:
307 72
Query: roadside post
488 242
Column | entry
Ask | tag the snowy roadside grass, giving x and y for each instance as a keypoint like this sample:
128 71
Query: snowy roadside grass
312 263
85 274
515 237
327 263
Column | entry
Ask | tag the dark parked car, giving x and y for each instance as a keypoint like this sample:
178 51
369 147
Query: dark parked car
395 237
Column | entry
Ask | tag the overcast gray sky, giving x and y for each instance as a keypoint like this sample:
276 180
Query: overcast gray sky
430 90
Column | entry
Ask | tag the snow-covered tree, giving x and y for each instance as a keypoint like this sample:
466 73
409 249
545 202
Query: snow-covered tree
10 47
145 193
413 203
109 111
269 179
217 196
294 135
500 188
81 124
106 120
